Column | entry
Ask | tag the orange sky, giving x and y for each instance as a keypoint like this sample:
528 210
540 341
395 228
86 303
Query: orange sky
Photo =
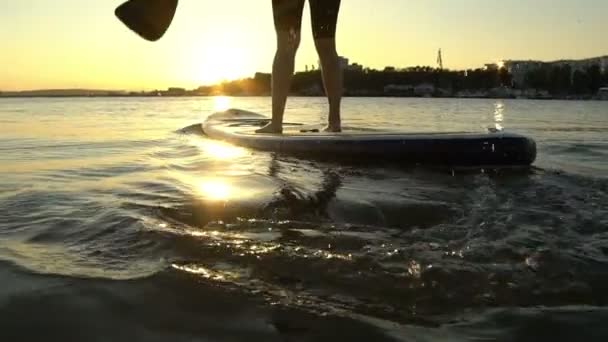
80 44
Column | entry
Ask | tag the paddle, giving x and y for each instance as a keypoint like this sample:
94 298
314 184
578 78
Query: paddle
148 18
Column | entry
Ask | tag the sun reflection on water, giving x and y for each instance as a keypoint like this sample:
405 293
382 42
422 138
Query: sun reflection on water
221 103
200 271
499 115
216 190
221 150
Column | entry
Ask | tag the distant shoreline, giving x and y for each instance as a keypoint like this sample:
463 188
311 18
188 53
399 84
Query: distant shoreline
543 98
561 80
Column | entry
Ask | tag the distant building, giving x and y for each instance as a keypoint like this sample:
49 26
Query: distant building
344 65
519 68
491 66
399 90
424 89
342 61
174 91
583 64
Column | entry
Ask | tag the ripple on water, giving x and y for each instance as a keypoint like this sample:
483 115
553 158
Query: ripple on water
408 245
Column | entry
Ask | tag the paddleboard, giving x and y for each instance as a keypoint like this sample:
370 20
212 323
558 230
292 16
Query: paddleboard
456 149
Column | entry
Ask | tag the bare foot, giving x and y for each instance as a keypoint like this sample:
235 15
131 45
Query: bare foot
270 129
333 129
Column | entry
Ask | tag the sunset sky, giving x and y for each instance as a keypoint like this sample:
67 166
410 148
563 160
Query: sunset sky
80 44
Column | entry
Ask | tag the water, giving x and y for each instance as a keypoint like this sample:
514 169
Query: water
116 224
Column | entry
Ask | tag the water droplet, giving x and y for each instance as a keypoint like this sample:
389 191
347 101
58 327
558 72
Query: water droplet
414 269
532 262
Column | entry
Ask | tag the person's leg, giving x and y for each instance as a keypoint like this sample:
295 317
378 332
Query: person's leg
332 79
324 15
288 20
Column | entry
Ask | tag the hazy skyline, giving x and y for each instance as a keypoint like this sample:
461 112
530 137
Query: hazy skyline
76 44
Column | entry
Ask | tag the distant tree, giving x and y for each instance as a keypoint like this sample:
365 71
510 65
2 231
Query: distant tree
538 78
559 79
481 79
449 80
204 90
305 80
566 78
506 79
605 78
555 80
581 82
231 88
594 74
458 80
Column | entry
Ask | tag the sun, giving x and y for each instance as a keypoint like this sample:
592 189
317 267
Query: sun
222 60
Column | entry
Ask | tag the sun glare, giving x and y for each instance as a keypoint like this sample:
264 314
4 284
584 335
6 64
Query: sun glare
220 61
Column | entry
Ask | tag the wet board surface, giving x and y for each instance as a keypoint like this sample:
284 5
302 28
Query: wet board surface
452 148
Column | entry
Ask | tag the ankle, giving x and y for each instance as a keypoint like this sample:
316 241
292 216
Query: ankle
334 121
275 125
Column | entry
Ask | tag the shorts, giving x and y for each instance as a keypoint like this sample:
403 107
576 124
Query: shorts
323 13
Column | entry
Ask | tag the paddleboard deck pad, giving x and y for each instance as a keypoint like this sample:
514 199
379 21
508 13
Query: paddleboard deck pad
454 149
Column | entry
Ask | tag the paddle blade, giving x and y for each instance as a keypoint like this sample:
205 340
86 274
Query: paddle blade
148 18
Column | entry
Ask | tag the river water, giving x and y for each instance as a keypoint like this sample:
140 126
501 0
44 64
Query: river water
120 221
